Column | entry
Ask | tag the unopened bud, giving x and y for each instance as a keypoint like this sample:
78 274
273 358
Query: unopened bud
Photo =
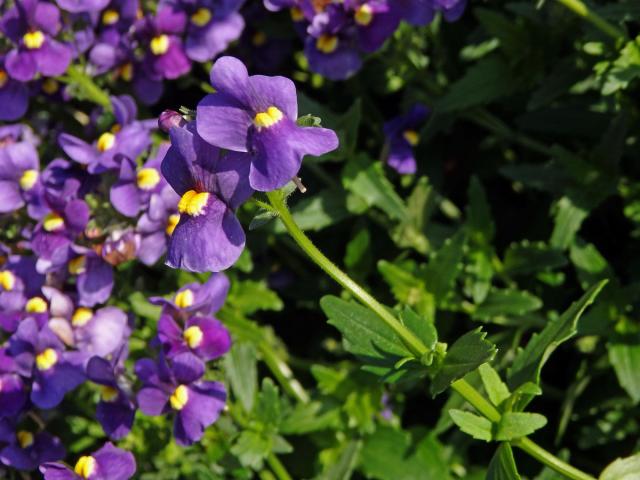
169 119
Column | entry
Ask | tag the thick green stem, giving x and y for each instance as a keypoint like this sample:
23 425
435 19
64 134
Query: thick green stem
277 468
413 343
581 9
80 80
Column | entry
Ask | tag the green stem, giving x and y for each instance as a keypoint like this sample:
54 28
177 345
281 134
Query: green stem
582 10
412 342
79 79
283 374
277 468
466 390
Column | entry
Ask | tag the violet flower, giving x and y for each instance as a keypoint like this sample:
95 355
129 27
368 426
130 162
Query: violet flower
13 392
132 191
208 236
157 224
20 179
196 299
32 25
39 354
402 136
28 450
205 337
178 389
107 463
82 6
14 95
94 280
258 115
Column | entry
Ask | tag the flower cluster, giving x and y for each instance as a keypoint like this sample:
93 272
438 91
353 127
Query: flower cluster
337 33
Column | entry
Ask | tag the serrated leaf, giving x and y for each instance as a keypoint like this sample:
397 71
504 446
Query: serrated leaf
525 258
268 408
514 425
310 417
493 385
622 469
466 354
410 233
250 295
241 369
364 333
529 361
568 218
422 327
471 424
503 465
506 302
444 267
407 288
251 448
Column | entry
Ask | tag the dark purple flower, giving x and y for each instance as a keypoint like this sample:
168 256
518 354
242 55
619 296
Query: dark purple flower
196 299
14 95
402 136
94 276
375 21
132 191
28 450
13 393
39 354
32 25
108 463
208 236
258 115
157 224
20 179
100 333
115 410
205 337
81 6
177 388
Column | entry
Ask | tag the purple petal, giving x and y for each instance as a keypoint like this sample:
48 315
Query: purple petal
152 400
114 463
277 92
205 403
223 122
21 65
53 58
14 98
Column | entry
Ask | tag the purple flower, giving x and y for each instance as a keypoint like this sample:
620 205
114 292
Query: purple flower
375 21
28 450
156 226
177 388
421 12
39 355
132 191
208 236
94 276
115 410
205 337
14 95
164 53
402 136
258 115
80 6
196 299
100 333
20 178
13 393
108 463
31 25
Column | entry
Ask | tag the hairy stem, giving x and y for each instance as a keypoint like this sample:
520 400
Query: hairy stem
582 10
413 343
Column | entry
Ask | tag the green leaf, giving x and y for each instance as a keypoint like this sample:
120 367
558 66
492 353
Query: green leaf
366 179
364 333
268 409
568 218
622 469
261 218
424 328
465 355
514 40
241 369
625 358
590 265
310 417
250 295
503 465
410 233
342 468
493 385
358 255
251 448
471 424
407 288
319 211
530 360
525 258
479 218
444 267
486 81
391 454
514 425
507 302
141 306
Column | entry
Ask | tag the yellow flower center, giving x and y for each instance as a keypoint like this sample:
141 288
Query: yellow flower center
148 178
412 137
269 118
36 305
4 78
193 336
28 179
172 222
81 316
109 17
52 221
106 141
108 394
77 265
85 466
33 40
46 359
25 439
259 39
327 43
159 44
7 280
126 72
296 14
364 15
193 203
201 17
179 398
50 86
184 299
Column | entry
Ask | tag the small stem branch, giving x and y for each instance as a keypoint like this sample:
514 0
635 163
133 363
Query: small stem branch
283 373
79 79
278 468
413 343
582 10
